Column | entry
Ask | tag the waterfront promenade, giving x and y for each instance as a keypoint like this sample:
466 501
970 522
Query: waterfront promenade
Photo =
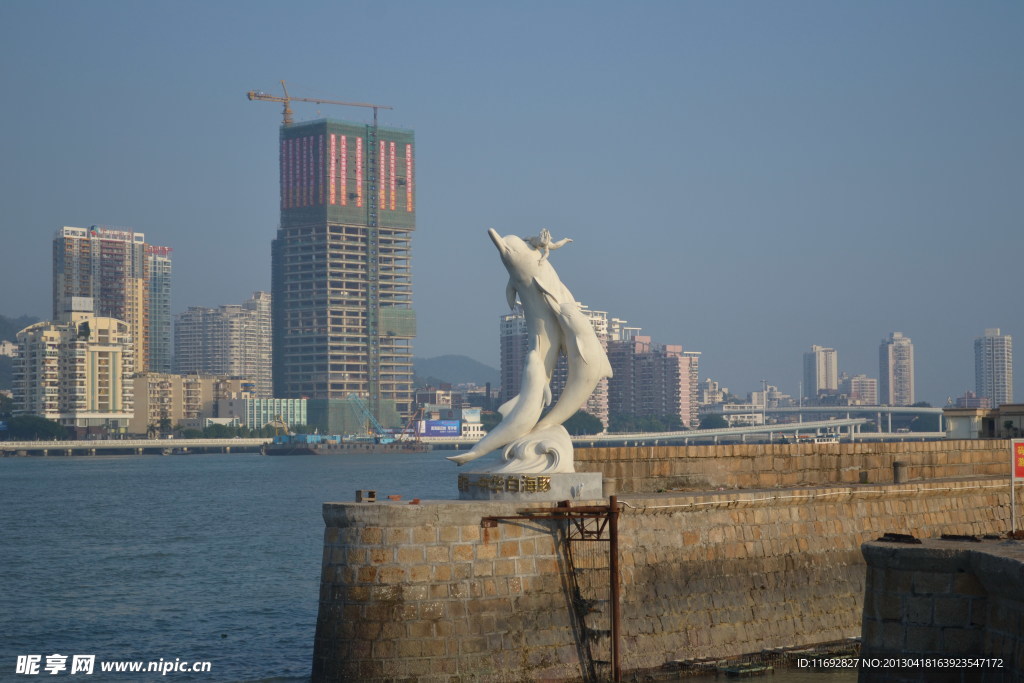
686 437
129 446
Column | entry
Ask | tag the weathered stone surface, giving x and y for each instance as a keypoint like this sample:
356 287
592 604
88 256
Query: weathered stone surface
702 573
646 469
971 593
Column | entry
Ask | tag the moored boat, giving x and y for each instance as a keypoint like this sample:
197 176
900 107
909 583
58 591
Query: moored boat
333 444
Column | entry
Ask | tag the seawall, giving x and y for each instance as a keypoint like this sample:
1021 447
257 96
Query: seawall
642 469
958 604
424 592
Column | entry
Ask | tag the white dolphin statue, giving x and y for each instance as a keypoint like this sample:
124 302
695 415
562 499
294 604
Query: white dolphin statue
554 322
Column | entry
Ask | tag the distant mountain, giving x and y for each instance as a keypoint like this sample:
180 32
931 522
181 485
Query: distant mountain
10 327
455 370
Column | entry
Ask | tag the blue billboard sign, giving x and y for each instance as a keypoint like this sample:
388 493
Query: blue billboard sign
440 428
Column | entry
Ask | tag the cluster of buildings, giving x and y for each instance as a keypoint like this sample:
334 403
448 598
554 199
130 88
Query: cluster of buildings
337 341
649 380
331 344
103 364
824 385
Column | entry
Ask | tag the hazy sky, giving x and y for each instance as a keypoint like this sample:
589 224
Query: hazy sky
742 178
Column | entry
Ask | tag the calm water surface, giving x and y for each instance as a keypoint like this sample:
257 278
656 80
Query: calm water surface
203 557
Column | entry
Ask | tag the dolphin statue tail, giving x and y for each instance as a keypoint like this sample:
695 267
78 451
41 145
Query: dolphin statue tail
519 414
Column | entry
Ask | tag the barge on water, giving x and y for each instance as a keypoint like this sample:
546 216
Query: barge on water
333 444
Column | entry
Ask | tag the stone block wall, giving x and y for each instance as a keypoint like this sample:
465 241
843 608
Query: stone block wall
945 600
422 592
642 469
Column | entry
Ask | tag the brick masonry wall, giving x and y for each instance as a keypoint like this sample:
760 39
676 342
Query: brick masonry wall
945 599
642 469
422 592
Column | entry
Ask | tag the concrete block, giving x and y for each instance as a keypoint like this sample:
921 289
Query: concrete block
929 583
420 573
952 611
372 536
410 554
382 555
397 536
436 554
918 610
425 535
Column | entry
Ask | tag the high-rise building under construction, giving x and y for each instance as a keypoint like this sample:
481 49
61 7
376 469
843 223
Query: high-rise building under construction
341 265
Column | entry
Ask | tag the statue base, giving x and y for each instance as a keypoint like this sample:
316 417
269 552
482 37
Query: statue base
526 487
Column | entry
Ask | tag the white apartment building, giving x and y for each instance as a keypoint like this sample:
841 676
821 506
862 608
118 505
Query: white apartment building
821 371
993 367
77 373
232 340
896 371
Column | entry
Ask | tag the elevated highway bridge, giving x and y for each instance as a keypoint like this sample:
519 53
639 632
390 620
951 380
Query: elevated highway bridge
846 429
878 412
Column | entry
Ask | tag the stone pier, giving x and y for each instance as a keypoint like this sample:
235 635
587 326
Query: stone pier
423 592
944 601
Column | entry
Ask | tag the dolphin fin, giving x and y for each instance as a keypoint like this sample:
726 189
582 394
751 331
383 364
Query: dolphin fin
508 406
462 459
550 299
547 394
510 294
566 312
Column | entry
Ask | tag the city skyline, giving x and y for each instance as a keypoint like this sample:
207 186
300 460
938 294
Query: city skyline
846 138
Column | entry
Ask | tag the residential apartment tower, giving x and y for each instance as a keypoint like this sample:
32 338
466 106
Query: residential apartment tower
821 372
993 367
126 279
896 371
232 340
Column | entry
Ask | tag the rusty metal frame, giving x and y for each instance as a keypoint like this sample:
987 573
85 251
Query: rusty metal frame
586 523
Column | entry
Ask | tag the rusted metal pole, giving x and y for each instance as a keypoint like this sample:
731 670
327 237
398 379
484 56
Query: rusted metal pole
613 558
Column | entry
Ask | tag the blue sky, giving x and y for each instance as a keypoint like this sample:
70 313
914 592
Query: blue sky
742 178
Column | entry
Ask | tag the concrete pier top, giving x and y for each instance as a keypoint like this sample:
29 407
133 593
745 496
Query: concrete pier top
1001 560
430 512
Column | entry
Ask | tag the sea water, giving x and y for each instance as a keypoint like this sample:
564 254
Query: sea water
193 557
184 558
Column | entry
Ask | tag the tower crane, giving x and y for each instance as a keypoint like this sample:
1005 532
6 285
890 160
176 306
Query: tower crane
288 99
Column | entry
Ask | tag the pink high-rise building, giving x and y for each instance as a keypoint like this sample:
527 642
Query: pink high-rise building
652 380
